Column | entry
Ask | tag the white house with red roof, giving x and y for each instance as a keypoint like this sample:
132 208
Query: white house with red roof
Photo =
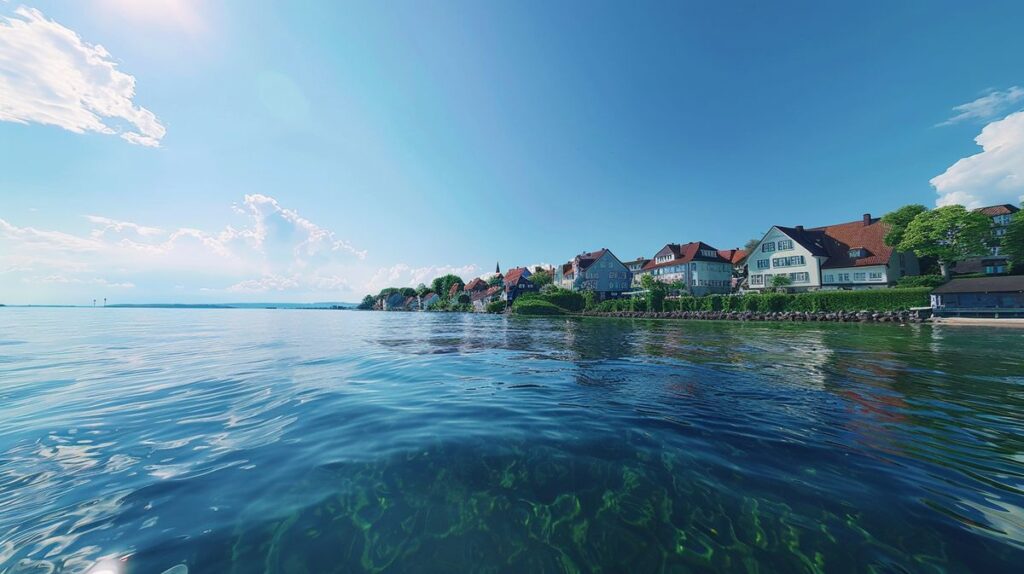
699 267
843 256
598 271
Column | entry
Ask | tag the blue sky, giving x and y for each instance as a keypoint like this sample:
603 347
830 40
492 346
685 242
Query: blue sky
319 151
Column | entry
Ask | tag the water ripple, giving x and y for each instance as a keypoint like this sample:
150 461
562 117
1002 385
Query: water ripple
307 441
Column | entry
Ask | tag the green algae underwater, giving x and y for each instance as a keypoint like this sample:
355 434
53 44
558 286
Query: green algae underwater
236 441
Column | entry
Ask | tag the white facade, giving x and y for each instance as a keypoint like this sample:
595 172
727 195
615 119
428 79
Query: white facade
778 254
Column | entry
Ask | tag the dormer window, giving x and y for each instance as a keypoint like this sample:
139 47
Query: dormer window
708 253
857 252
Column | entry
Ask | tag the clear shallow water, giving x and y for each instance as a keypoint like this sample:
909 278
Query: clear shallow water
335 441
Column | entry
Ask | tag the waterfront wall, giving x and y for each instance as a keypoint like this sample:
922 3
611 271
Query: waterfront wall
901 317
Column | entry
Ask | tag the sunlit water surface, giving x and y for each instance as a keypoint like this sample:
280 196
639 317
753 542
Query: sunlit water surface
237 441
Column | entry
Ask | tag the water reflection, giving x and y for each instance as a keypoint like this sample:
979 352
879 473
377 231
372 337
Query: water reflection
240 441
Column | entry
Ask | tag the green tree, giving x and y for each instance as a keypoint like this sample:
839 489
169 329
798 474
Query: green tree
899 220
656 292
442 285
1012 245
949 234
367 303
781 283
541 277
751 244
496 280
422 290
589 299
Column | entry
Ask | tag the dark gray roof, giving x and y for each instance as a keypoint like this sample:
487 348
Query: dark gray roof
999 284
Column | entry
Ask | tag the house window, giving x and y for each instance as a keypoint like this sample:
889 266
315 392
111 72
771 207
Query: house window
830 278
757 279
785 244
788 261
856 252
708 253
843 277
768 247
859 276
875 276
801 277
763 264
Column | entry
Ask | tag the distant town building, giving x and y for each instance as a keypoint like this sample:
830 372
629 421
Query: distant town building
428 299
738 259
598 271
636 267
844 256
697 266
480 299
517 282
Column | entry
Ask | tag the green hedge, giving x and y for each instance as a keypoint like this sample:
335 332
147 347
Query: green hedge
569 300
496 307
535 306
863 300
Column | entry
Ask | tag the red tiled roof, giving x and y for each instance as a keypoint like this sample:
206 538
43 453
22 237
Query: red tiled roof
840 238
585 260
454 289
733 256
684 254
477 284
483 294
994 210
513 275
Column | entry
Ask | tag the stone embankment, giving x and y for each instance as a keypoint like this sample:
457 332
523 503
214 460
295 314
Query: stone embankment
795 316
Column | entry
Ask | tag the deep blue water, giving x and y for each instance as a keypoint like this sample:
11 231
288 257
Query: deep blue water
236 441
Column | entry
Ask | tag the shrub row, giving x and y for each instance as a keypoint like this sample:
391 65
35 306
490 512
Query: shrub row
812 302
571 301
535 306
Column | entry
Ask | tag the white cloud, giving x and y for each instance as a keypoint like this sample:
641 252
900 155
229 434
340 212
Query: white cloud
993 176
79 281
273 249
120 226
988 106
49 75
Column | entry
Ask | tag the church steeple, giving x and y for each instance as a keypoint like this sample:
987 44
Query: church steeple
497 268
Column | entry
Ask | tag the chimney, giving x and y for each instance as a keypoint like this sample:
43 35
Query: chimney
867 219
799 227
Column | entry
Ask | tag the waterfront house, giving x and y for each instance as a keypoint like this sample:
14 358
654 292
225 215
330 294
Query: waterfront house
481 298
636 267
995 263
517 282
738 259
598 271
980 297
476 285
428 299
696 265
394 302
843 256
411 303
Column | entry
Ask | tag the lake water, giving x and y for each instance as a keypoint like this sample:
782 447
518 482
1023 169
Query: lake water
237 441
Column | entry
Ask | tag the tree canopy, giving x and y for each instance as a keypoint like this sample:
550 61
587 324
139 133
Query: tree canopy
541 277
899 220
950 234
442 285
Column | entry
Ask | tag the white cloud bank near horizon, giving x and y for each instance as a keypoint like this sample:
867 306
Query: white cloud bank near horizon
50 76
993 176
274 251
